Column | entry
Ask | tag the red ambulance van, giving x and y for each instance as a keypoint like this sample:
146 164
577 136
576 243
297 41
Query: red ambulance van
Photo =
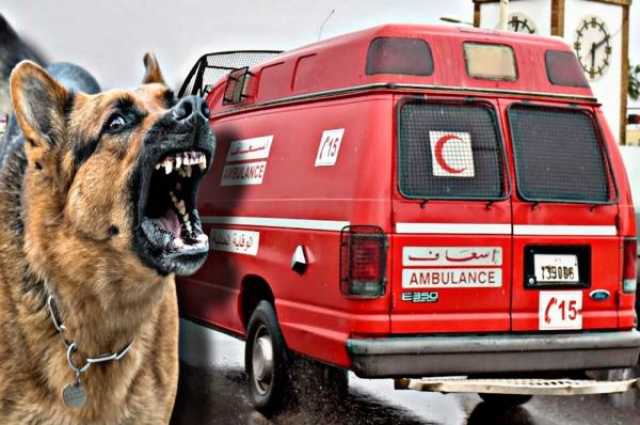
414 201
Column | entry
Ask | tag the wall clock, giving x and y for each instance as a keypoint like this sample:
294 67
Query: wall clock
519 22
593 46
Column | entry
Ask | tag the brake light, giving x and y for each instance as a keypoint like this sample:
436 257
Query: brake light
363 256
629 270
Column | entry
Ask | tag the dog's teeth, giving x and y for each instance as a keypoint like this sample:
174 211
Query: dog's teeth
173 197
202 163
178 161
168 166
158 166
202 237
188 170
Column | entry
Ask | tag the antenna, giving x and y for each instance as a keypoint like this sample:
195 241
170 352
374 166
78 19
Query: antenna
325 22
454 20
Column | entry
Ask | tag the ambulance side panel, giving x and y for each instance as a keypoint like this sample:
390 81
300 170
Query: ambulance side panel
255 228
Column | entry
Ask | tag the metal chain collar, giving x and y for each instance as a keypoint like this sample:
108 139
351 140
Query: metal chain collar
72 346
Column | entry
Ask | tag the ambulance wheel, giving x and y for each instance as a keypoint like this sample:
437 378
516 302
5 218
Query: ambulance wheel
505 400
267 361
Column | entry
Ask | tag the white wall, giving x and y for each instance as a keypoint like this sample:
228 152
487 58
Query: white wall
538 10
634 39
607 87
631 158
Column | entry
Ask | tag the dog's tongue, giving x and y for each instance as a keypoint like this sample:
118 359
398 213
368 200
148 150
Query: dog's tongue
170 223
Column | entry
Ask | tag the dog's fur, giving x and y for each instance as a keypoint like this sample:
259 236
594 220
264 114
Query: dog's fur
67 227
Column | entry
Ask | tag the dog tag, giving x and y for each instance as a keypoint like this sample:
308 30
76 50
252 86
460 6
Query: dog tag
74 395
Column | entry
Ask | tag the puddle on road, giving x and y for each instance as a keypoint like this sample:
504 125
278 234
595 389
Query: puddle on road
208 396
213 391
212 397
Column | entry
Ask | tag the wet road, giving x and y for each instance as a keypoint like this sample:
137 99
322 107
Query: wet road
212 391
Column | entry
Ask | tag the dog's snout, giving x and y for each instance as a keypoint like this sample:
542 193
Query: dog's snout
189 108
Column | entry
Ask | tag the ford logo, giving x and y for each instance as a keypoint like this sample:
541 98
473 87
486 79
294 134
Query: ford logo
599 295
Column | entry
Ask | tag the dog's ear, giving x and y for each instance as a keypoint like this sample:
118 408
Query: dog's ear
39 103
152 70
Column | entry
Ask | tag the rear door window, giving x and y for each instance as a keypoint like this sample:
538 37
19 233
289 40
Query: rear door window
558 155
449 151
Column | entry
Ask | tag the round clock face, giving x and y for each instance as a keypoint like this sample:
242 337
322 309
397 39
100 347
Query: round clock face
593 46
519 22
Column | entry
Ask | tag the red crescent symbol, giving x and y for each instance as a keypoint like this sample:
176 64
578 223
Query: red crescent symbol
438 152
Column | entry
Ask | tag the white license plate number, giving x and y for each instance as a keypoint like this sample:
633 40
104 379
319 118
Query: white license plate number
560 310
556 268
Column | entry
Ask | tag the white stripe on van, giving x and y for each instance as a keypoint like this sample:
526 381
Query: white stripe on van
505 229
454 228
287 223
563 230
436 228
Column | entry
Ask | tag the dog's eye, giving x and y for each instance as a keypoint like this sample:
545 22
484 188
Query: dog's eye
116 122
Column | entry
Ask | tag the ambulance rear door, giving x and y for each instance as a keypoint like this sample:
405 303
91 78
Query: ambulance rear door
451 247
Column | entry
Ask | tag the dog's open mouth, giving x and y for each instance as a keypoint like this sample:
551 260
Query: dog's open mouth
169 220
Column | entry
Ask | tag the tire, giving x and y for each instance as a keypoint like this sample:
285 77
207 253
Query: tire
505 400
267 362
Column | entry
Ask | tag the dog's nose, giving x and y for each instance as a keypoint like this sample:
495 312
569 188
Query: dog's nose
190 107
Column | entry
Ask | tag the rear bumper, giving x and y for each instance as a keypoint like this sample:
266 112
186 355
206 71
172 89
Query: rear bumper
419 356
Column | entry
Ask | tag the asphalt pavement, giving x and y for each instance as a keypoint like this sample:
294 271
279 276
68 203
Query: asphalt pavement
213 391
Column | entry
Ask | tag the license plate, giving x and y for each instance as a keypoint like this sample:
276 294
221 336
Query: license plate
558 268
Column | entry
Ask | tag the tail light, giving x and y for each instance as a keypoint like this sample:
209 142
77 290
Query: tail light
629 270
363 257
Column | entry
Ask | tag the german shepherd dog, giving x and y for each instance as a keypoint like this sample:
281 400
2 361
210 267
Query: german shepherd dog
97 215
